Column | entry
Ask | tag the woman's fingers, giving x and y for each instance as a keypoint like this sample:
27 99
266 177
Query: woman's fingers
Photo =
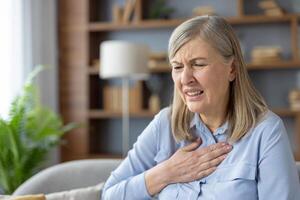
205 168
191 163
210 148
206 172
212 163
193 145
207 154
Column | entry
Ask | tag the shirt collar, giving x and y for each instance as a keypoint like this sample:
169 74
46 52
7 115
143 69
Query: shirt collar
195 120
198 123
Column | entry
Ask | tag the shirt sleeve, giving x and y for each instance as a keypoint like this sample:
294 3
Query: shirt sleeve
128 180
277 174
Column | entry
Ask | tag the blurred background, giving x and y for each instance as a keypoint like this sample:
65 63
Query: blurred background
66 35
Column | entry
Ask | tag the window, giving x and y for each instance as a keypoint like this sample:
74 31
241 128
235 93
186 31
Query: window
11 52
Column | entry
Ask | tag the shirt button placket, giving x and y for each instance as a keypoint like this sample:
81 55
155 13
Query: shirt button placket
200 188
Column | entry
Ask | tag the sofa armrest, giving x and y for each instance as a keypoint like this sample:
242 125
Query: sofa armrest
69 175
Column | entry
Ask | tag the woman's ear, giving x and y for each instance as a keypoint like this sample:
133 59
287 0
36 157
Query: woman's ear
232 72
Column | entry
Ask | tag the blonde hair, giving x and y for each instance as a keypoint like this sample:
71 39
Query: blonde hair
246 106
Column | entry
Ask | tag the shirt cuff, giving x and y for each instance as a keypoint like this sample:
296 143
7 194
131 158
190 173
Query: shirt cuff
140 189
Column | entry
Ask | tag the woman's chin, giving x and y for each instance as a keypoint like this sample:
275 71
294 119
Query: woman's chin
195 107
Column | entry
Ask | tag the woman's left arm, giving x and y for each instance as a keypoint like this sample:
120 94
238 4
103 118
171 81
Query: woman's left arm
277 174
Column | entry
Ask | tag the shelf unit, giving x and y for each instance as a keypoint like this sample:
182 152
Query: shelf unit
151 24
165 67
100 114
81 88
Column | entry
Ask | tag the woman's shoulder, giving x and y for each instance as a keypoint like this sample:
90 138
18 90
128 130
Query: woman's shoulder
270 125
164 114
269 118
166 140
161 121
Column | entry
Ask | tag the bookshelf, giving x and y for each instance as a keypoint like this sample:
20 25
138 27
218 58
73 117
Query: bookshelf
150 24
165 67
82 27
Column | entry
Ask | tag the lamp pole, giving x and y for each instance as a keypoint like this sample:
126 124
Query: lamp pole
125 116
123 59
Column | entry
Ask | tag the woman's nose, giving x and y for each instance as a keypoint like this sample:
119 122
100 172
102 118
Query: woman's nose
187 76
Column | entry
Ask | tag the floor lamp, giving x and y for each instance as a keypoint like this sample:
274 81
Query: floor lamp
126 60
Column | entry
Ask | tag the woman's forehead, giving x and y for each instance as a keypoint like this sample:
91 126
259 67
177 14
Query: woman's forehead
195 48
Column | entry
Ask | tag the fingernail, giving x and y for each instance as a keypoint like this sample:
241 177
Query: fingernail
229 147
223 144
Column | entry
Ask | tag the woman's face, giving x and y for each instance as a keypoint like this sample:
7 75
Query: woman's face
202 77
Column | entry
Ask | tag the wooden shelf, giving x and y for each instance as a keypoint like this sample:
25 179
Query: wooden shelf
150 24
276 65
93 70
285 112
165 67
261 19
101 114
144 24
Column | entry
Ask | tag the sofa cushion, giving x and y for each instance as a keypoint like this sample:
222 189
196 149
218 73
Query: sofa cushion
90 193
25 197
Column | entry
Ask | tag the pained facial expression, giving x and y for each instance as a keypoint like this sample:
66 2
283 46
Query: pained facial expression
202 77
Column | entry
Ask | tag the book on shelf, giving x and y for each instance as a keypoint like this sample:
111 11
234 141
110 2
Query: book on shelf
266 51
158 56
262 54
274 12
154 64
267 4
158 60
294 99
128 10
112 98
118 12
270 50
96 63
137 15
264 60
271 8
204 10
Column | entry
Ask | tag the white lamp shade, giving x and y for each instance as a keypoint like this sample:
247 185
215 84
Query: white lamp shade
121 59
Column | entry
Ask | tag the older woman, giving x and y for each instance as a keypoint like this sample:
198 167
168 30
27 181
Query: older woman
218 140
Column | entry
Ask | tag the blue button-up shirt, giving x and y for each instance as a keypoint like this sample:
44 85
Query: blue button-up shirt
260 166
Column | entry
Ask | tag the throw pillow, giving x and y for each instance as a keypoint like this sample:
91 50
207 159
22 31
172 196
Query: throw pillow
90 193
25 197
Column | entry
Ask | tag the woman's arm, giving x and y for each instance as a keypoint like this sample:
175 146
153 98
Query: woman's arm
127 181
138 178
277 175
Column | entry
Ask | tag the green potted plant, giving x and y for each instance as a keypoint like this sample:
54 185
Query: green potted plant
26 137
160 10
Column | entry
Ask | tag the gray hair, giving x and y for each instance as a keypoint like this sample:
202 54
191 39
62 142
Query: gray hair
212 29
246 105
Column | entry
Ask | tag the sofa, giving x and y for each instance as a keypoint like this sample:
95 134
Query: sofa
68 176
72 175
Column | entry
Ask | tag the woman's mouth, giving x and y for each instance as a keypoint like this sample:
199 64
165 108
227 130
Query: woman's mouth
194 93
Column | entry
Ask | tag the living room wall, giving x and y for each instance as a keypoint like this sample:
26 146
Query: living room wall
274 85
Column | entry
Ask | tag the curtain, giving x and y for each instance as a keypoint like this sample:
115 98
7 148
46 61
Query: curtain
11 52
28 37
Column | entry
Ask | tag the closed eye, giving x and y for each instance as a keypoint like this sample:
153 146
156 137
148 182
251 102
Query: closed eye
199 65
177 67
